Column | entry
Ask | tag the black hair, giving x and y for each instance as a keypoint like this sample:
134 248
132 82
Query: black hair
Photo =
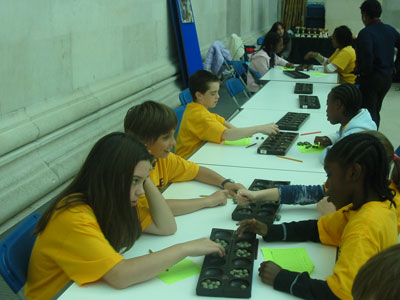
271 40
285 36
350 97
367 151
372 8
199 82
104 183
149 120
343 36
379 277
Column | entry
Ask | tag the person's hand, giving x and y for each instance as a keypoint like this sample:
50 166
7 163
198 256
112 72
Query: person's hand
244 197
323 141
289 65
269 129
268 271
310 54
217 198
253 226
203 246
325 207
233 188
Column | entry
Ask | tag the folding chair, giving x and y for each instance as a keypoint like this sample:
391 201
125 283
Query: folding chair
260 40
234 87
185 97
397 151
15 252
179 114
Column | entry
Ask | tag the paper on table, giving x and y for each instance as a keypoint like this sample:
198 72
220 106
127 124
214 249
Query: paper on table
241 142
292 259
181 270
286 68
317 74
303 149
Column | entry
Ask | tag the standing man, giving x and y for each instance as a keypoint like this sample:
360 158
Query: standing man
375 56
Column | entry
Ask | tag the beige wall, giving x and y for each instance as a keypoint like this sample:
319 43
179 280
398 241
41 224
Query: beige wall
71 69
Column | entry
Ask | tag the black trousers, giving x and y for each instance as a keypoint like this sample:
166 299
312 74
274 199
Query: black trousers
374 89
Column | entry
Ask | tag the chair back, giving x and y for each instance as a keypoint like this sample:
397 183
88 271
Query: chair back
397 151
260 40
256 75
15 252
185 97
179 114
238 67
234 86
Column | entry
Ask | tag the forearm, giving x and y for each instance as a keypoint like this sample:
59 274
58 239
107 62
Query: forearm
208 176
139 269
294 231
271 194
321 59
185 206
229 125
301 194
163 219
232 134
301 285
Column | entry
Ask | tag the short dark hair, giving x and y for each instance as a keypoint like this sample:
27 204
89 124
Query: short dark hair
367 151
350 97
149 120
104 182
379 277
372 8
199 82
343 36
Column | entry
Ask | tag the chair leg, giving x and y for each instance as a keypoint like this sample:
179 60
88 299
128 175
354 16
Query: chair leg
236 102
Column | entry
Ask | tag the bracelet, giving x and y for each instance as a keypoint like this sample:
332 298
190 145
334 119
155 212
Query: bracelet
225 182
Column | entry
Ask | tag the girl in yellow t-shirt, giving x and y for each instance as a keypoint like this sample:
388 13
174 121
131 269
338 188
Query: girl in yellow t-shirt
81 233
343 60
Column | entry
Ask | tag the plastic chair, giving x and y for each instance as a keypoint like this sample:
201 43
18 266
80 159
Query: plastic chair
15 252
234 87
240 70
179 114
185 97
397 151
256 76
260 40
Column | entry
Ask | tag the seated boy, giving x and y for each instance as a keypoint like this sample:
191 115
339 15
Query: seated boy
154 124
199 125
344 107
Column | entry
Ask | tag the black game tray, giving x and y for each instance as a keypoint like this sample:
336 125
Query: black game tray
311 102
278 144
303 88
296 74
230 276
292 121
263 211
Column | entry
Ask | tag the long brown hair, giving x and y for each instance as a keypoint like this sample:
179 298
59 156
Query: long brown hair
104 183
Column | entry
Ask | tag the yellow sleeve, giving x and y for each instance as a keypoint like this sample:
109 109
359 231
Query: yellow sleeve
330 227
180 169
84 253
212 128
342 59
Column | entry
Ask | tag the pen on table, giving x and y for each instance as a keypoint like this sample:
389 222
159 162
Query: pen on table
204 196
307 133
251 145
289 158
151 251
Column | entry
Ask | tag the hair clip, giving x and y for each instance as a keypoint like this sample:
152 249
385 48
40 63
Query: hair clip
395 157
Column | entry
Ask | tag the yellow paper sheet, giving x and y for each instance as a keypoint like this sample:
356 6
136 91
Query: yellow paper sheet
241 142
317 74
292 259
182 270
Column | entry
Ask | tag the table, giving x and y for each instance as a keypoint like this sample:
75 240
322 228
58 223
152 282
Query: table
276 73
192 226
279 95
240 156
301 45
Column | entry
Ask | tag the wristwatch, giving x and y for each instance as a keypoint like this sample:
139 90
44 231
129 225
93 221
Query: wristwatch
225 182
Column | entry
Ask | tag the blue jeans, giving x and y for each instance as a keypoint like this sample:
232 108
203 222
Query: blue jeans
301 194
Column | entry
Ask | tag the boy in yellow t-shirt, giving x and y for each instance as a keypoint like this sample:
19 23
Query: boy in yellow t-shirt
199 125
343 60
154 123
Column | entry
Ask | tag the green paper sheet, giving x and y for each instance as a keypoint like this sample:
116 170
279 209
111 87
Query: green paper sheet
292 259
317 74
241 142
286 68
182 270
303 149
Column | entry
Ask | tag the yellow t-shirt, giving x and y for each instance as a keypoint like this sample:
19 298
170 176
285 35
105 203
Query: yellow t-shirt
198 126
397 201
71 247
345 60
171 169
359 234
